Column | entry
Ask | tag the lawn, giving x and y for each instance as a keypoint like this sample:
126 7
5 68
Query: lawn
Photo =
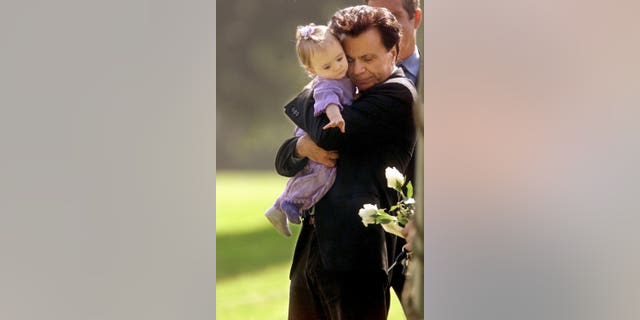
252 259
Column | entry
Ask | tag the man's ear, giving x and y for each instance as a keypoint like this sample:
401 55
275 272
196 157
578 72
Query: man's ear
417 16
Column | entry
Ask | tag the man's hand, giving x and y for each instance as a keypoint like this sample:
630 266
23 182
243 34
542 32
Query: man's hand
335 118
305 147
409 232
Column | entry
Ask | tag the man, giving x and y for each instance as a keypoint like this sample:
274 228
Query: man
339 268
409 15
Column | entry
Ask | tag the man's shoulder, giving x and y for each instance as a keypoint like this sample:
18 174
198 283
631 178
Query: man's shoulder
404 86
396 87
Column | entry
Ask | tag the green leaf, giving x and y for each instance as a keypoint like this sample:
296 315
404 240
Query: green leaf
385 220
409 190
402 220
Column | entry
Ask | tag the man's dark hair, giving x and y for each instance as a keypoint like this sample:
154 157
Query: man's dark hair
353 21
409 6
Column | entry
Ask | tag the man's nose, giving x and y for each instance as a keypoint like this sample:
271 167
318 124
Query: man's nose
356 67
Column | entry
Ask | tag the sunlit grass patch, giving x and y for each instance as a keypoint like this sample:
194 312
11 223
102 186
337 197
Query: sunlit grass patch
252 258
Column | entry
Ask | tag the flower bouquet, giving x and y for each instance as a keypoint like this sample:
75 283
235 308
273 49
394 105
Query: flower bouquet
399 214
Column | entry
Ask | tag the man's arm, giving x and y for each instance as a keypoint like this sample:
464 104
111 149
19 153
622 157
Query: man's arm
294 153
287 163
370 118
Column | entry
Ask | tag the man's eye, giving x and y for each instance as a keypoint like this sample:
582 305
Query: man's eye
349 60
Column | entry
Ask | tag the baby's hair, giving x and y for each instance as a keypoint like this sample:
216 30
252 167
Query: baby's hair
310 39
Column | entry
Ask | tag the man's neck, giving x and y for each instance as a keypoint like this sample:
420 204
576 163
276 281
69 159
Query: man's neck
408 54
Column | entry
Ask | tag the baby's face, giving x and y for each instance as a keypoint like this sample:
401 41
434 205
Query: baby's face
330 63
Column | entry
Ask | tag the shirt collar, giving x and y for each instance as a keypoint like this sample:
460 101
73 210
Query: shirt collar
412 62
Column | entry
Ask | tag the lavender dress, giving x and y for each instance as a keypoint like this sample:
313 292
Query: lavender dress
312 182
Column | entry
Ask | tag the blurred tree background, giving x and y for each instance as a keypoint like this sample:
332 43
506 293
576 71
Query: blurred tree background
257 74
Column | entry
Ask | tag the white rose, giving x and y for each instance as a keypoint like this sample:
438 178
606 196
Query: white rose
395 179
410 201
394 228
367 214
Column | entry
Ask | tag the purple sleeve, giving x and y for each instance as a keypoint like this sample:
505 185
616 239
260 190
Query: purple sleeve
324 93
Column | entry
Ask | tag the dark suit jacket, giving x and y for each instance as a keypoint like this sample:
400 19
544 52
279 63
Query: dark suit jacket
380 133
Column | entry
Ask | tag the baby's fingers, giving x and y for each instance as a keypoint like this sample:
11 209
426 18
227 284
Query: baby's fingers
329 125
342 125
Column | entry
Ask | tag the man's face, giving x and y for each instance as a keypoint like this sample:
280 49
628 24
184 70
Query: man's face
369 61
409 24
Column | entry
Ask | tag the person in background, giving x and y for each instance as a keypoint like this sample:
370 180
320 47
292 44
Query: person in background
409 15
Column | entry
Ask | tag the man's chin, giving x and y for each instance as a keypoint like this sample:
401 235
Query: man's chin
364 85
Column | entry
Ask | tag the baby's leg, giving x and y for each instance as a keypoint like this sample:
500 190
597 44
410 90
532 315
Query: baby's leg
305 189
292 210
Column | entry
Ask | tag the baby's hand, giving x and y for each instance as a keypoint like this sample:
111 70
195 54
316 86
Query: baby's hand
335 124
335 118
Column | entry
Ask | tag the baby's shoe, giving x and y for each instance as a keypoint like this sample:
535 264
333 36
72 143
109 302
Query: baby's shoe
279 220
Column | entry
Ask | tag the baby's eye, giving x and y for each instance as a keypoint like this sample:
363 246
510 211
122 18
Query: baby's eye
340 59
326 67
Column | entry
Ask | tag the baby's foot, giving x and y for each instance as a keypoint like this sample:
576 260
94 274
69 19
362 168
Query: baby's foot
279 220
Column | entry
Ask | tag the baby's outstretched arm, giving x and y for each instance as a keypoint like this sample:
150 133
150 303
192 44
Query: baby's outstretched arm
335 118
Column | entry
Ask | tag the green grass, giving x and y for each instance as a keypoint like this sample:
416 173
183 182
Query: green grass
252 259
